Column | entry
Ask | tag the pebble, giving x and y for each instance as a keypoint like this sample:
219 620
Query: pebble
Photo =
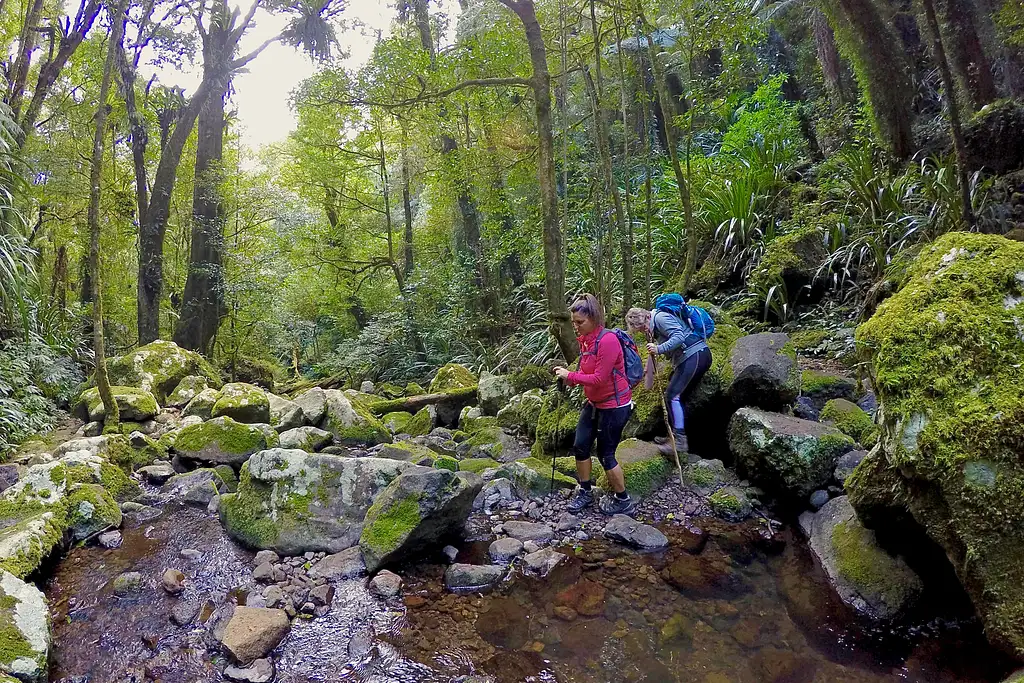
110 539
191 555
451 552
260 671
173 581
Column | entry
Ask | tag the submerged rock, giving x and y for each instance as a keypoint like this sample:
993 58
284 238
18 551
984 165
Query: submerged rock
764 371
864 575
25 624
416 510
542 562
293 502
796 457
472 577
946 355
252 632
631 532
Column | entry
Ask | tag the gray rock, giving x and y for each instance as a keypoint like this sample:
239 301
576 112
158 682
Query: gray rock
157 474
184 611
529 531
191 555
793 457
805 409
313 403
252 632
264 573
201 405
173 581
442 500
186 390
284 414
542 562
731 503
818 499
386 585
501 487
92 428
348 564
25 620
631 532
868 403
504 550
127 583
110 539
847 464
531 547
764 371
472 577
451 552
349 423
266 556
260 671
567 521
196 488
493 392
310 439
281 483
367 387
865 576
322 594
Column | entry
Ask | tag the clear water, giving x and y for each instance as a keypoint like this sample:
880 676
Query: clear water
738 611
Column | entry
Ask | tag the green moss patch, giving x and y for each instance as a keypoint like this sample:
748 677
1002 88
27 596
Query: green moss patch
851 420
450 377
477 465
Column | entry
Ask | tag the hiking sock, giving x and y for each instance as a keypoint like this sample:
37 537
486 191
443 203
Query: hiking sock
586 485
622 495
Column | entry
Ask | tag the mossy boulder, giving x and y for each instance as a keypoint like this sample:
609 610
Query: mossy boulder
24 630
764 371
306 439
242 403
201 405
643 465
477 465
820 388
994 137
792 260
730 503
866 577
223 441
413 389
188 388
809 341
947 356
791 456
532 377
532 477
491 442
472 420
556 421
351 422
159 367
397 421
451 377
251 370
407 451
91 510
851 420
294 502
284 414
522 411
494 392
422 423
415 512
135 405
707 476
115 449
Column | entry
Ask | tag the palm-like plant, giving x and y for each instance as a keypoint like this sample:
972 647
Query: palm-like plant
17 273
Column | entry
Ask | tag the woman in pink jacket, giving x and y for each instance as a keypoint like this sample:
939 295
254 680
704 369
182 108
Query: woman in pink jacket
602 374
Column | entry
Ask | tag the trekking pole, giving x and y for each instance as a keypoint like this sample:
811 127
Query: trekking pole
560 387
668 422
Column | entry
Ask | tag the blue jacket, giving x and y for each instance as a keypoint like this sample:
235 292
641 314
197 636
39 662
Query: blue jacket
672 335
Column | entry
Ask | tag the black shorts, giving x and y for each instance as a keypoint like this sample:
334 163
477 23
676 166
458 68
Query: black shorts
603 425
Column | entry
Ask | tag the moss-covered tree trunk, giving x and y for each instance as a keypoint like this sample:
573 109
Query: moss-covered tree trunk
953 110
966 56
828 56
113 417
554 264
881 69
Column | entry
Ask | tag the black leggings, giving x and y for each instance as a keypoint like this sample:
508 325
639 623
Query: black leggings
603 425
684 380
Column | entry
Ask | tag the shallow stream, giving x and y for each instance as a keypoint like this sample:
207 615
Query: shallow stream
731 609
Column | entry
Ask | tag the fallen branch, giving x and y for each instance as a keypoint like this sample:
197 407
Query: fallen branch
411 404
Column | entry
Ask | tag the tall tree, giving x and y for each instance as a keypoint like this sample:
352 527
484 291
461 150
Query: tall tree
113 417
554 264
966 56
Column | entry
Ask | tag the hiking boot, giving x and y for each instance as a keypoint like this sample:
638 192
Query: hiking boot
581 498
613 505
682 445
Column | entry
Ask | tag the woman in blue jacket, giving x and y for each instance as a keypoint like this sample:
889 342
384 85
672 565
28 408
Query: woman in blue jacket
672 337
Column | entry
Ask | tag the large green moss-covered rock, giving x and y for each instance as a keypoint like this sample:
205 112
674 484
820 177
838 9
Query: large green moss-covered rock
451 377
418 509
201 404
294 502
223 441
397 422
188 388
422 423
407 451
351 422
24 630
521 412
135 405
947 356
851 420
494 392
556 421
792 456
242 403
866 577
91 510
792 260
532 477
158 367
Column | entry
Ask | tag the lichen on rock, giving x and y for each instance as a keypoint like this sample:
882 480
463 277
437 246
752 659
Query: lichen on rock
351 422
24 630
242 403
133 404
158 367
223 441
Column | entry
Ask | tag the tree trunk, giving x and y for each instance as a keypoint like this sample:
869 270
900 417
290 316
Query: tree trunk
554 265
673 152
966 56
881 69
627 239
828 56
203 300
26 44
113 417
407 204
139 133
953 110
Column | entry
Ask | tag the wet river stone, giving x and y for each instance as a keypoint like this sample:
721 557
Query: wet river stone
348 564
252 632
529 531
504 550
543 562
260 671
386 584
292 501
631 532
472 577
